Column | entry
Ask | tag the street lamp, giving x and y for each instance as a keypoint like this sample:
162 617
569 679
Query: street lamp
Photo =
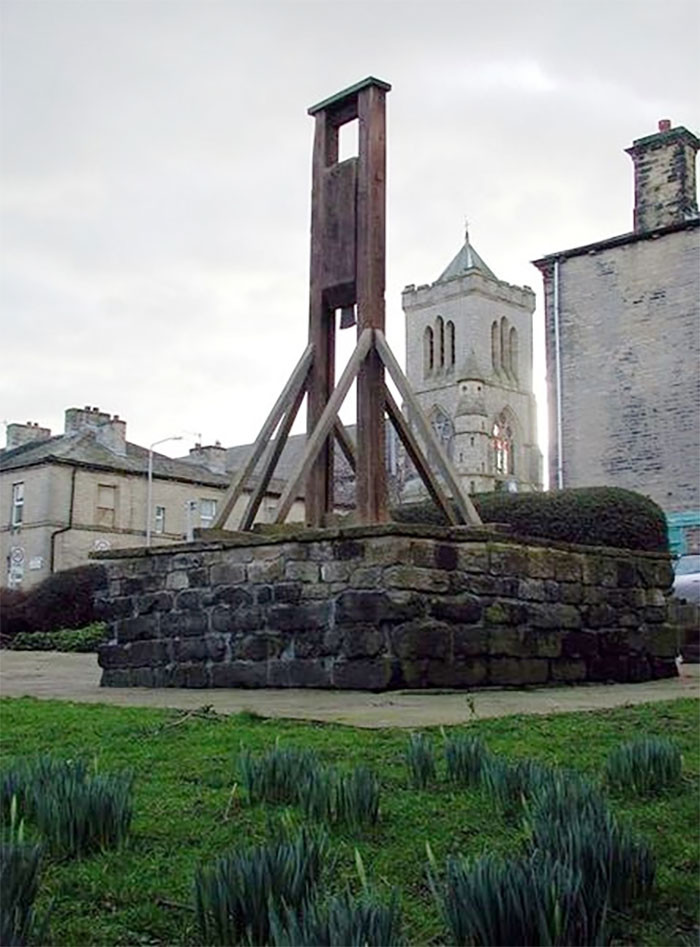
149 499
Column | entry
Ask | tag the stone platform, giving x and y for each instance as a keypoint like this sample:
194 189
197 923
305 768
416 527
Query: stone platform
379 608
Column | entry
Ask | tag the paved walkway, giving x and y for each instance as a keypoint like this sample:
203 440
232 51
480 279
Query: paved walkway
76 677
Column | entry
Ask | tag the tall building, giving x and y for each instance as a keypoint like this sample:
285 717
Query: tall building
622 321
469 362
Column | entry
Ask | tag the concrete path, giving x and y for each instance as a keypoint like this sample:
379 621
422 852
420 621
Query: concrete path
76 677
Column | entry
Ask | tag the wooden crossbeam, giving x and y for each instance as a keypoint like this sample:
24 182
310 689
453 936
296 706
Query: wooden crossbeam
345 442
326 422
290 392
271 460
414 451
462 501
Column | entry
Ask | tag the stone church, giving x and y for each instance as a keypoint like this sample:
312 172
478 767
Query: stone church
469 362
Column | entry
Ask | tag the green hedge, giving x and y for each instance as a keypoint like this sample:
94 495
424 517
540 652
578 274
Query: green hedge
596 516
67 639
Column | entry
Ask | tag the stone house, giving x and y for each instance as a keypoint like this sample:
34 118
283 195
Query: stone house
622 322
469 361
65 496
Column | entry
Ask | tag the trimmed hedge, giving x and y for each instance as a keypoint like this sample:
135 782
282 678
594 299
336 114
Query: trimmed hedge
595 516
66 639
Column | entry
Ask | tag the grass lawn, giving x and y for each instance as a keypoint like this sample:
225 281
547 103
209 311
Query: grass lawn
185 770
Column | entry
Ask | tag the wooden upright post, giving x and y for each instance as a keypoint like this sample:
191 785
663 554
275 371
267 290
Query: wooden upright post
347 270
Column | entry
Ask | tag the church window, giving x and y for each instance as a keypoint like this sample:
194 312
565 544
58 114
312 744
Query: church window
450 344
505 356
495 347
444 430
471 441
440 330
428 351
513 347
502 446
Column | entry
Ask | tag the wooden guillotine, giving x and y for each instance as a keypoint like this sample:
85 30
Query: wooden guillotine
347 283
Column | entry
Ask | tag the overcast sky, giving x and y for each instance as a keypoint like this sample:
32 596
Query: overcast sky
156 161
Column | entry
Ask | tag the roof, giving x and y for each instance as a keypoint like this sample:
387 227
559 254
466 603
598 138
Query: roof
543 262
471 370
466 260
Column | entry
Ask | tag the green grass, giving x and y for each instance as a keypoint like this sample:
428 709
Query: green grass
185 813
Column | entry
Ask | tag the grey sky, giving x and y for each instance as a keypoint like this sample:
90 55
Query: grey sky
156 172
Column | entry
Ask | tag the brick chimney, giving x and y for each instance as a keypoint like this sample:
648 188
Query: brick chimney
18 434
109 431
664 177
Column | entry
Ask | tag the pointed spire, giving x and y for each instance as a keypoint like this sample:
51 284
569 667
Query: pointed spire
467 259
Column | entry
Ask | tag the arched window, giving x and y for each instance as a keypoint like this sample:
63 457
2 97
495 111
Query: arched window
513 347
495 347
450 344
428 351
503 452
505 357
440 332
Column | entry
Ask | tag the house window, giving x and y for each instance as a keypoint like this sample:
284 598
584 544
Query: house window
106 505
17 503
159 523
207 512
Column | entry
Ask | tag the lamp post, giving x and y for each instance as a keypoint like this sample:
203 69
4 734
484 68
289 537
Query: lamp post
149 494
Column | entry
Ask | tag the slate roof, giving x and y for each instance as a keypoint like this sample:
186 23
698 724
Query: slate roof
467 259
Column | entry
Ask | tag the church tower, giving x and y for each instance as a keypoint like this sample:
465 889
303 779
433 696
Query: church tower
469 361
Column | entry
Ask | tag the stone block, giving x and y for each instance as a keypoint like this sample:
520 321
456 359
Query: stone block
663 667
198 578
191 675
252 647
263 594
609 667
366 577
626 573
116 677
177 581
422 638
235 596
507 641
421 553
246 619
599 570
302 571
266 571
599 616
508 560
137 629
371 607
553 615
552 590
189 600
299 617
579 644
462 610
308 644
222 619
472 557
345 549
461 674
239 674
480 584
417 578
142 677
571 593
567 566
376 675
298 673
113 608
655 615
227 573
531 590
112 656
516 672
540 563
189 649
216 646
506 613
467 642
445 556
568 670
361 641
336 571
183 623
154 602
147 653
288 593
387 551
186 560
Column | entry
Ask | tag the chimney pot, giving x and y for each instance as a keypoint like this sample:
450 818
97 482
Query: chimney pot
664 124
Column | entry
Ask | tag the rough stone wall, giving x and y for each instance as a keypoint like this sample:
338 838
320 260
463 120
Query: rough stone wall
393 607
630 349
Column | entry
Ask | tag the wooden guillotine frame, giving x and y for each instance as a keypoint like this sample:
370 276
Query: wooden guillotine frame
348 259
